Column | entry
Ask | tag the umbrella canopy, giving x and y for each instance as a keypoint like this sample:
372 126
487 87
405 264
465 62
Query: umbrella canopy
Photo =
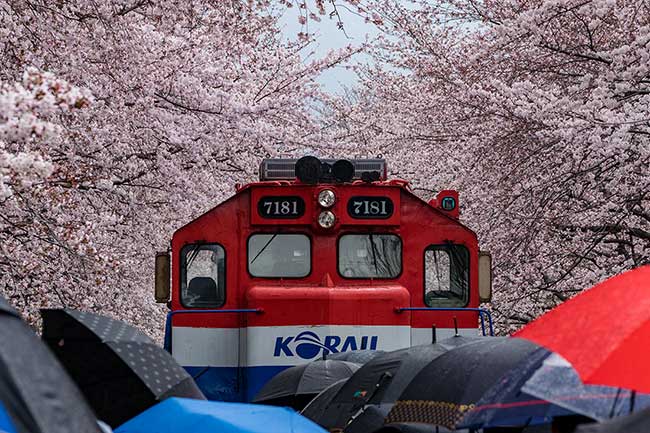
36 395
411 428
120 371
506 405
371 415
315 408
180 415
447 387
356 356
367 397
372 378
296 386
638 422
603 352
544 387
558 383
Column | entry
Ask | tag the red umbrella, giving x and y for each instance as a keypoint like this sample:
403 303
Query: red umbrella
604 332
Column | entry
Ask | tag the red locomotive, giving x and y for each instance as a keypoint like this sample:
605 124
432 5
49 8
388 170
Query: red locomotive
318 256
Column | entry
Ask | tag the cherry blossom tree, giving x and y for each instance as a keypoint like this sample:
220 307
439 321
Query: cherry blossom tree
538 112
169 105
121 121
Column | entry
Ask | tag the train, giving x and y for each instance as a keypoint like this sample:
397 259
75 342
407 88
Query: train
319 256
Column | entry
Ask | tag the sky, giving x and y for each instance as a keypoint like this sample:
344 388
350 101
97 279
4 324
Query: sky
329 37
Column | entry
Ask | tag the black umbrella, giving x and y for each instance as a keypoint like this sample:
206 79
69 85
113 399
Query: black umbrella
448 386
543 388
366 398
296 386
120 371
314 410
410 428
372 414
638 422
34 389
557 382
505 404
356 356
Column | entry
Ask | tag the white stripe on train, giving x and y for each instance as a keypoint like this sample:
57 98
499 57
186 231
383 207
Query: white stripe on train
291 345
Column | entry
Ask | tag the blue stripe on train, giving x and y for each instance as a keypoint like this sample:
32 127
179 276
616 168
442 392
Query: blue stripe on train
232 383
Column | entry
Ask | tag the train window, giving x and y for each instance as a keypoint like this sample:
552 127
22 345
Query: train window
203 276
278 255
370 256
446 276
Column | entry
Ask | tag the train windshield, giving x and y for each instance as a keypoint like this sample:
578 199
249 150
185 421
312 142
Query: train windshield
279 255
203 276
370 256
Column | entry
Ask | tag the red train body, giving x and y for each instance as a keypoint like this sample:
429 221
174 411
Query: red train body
282 273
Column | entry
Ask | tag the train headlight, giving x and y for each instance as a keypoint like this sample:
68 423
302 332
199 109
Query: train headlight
326 198
326 219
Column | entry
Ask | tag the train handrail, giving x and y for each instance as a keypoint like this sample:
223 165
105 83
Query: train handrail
167 343
481 312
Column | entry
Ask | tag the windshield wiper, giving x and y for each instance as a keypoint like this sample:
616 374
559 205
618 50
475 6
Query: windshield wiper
264 247
374 252
193 253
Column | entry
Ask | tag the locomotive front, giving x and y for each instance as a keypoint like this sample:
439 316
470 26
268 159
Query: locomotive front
317 257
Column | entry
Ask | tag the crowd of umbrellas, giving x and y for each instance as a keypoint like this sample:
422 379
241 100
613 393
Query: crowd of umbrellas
581 368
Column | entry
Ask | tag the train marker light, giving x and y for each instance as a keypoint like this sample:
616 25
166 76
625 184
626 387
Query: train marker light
308 169
326 219
448 203
326 198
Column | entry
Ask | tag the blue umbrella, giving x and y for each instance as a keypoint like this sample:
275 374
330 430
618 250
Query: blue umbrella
180 415
6 426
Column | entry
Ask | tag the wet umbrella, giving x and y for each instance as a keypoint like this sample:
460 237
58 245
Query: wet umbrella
315 408
603 352
296 386
558 383
638 422
372 414
356 356
120 371
447 387
181 415
544 387
36 395
411 428
506 405
364 401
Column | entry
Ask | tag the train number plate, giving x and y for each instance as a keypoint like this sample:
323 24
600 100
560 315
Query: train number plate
370 207
281 207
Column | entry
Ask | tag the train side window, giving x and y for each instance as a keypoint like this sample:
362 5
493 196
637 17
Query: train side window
446 276
370 256
276 255
203 276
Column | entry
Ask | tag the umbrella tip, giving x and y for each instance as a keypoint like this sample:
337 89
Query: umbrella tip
433 334
455 326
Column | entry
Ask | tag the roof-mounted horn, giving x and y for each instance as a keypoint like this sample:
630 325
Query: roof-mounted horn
332 170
